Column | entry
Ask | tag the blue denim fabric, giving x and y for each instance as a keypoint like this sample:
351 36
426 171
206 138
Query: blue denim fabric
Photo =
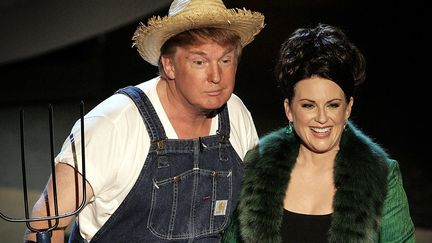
186 191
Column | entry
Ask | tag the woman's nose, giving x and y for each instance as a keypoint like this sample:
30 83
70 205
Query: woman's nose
321 116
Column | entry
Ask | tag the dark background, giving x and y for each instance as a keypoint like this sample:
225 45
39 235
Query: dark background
393 106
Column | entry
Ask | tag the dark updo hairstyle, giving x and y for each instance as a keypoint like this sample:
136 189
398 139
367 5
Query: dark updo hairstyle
323 51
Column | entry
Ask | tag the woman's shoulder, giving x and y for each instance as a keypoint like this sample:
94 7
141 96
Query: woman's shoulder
394 173
269 142
392 164
278 145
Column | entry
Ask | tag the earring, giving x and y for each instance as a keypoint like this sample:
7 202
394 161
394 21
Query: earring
345 125
289 128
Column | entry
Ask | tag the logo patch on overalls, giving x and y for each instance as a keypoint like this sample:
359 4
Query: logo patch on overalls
220 207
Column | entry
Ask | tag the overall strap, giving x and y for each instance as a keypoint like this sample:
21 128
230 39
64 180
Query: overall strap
147 111
224 124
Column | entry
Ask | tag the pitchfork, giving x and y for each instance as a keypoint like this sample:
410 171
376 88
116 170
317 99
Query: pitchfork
44 235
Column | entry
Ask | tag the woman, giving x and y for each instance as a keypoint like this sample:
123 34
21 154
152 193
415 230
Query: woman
320 179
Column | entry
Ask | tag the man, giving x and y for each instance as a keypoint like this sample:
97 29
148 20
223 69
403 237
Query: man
163 157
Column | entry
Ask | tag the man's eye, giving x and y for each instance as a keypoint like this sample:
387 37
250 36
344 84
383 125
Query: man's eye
199 63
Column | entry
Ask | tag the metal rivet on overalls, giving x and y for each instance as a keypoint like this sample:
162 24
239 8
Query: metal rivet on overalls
215 173
176 178
203 145
221 136
155 184
160 144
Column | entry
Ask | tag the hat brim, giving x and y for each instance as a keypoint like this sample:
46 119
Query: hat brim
149 39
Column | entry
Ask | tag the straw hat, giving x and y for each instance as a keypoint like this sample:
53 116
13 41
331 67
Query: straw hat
191 14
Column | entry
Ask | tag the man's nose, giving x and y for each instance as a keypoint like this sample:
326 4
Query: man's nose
214 73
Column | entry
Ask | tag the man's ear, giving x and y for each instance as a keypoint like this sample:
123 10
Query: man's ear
168 67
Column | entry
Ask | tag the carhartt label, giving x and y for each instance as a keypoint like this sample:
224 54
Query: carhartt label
220 207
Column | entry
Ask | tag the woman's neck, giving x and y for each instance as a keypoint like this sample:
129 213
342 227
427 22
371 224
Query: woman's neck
320 161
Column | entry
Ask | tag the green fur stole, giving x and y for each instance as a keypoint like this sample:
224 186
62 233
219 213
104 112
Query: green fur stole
360 178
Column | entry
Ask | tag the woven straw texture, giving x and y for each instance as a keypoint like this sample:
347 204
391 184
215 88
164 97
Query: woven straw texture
191 14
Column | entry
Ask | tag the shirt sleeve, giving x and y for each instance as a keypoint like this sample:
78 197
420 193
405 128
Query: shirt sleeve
243 135
396 223
100 151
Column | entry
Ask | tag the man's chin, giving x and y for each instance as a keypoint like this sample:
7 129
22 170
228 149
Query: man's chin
212 111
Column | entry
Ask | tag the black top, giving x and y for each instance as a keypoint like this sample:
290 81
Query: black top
303 228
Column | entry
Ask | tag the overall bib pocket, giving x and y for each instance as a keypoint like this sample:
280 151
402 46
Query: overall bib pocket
194 203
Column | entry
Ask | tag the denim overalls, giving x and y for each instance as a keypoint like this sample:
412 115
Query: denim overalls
186 191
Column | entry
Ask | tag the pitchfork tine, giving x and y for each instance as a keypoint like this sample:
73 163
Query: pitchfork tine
43 236
83 148
51 129
23 164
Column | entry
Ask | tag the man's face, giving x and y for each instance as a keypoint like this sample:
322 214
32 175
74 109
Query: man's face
202 76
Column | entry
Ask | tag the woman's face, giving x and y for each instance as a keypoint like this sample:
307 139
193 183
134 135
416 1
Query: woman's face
318 111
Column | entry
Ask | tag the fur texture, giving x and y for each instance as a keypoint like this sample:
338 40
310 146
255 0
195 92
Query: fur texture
359 175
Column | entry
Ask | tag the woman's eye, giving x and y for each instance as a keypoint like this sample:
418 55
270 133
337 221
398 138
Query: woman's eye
307 106
334 105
